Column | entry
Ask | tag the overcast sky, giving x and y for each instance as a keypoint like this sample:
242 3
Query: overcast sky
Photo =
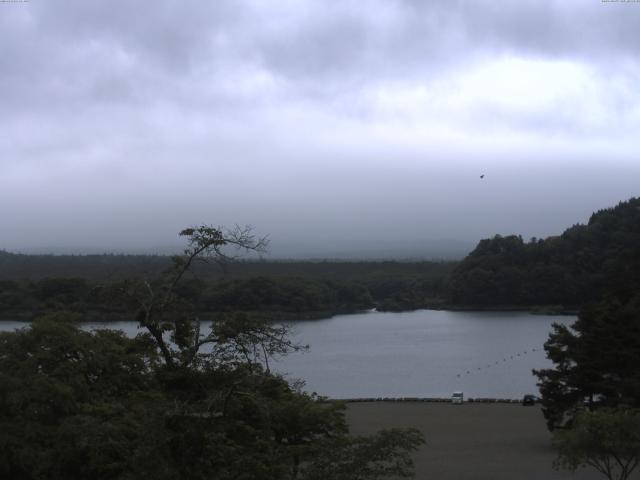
337 127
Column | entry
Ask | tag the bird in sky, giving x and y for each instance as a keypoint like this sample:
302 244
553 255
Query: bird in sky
482 176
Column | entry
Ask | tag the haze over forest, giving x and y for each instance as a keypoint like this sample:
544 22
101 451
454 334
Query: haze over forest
354 129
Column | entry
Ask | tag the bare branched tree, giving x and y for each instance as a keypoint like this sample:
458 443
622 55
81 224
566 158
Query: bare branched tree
176 326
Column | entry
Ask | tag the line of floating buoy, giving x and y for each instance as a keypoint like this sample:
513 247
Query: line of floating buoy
511 357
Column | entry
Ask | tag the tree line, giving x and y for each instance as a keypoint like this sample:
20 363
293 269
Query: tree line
294 296
325 291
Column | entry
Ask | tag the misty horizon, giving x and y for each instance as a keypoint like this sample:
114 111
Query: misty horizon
425 249
428 250
350 130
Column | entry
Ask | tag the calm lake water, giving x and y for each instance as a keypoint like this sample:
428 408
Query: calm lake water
421 353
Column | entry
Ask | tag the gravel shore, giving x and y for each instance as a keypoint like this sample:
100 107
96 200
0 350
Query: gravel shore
470 441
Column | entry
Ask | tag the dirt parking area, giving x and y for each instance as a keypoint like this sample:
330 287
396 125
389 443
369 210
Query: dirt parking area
470 441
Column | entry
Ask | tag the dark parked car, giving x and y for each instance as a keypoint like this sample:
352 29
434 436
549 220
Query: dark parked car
528 400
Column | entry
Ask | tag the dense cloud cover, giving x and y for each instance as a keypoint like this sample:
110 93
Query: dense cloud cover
337 127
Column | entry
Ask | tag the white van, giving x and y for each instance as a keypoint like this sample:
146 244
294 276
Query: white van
457 397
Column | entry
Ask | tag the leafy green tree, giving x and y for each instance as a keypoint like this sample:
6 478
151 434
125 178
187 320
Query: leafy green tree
75 404
607 440
595 361
381 456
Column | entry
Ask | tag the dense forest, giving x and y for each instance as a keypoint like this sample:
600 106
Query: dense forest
567 270
33 284
99 268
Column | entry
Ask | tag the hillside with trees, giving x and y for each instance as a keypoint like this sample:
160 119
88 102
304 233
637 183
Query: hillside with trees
567 270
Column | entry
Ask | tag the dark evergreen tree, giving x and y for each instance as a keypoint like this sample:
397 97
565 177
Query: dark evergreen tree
597 361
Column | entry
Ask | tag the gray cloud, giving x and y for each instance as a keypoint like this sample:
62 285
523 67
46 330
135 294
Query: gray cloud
325 123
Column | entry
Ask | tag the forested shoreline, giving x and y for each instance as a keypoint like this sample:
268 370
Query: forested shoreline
282 290
555 275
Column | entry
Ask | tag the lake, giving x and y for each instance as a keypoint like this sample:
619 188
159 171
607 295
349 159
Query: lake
423 353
